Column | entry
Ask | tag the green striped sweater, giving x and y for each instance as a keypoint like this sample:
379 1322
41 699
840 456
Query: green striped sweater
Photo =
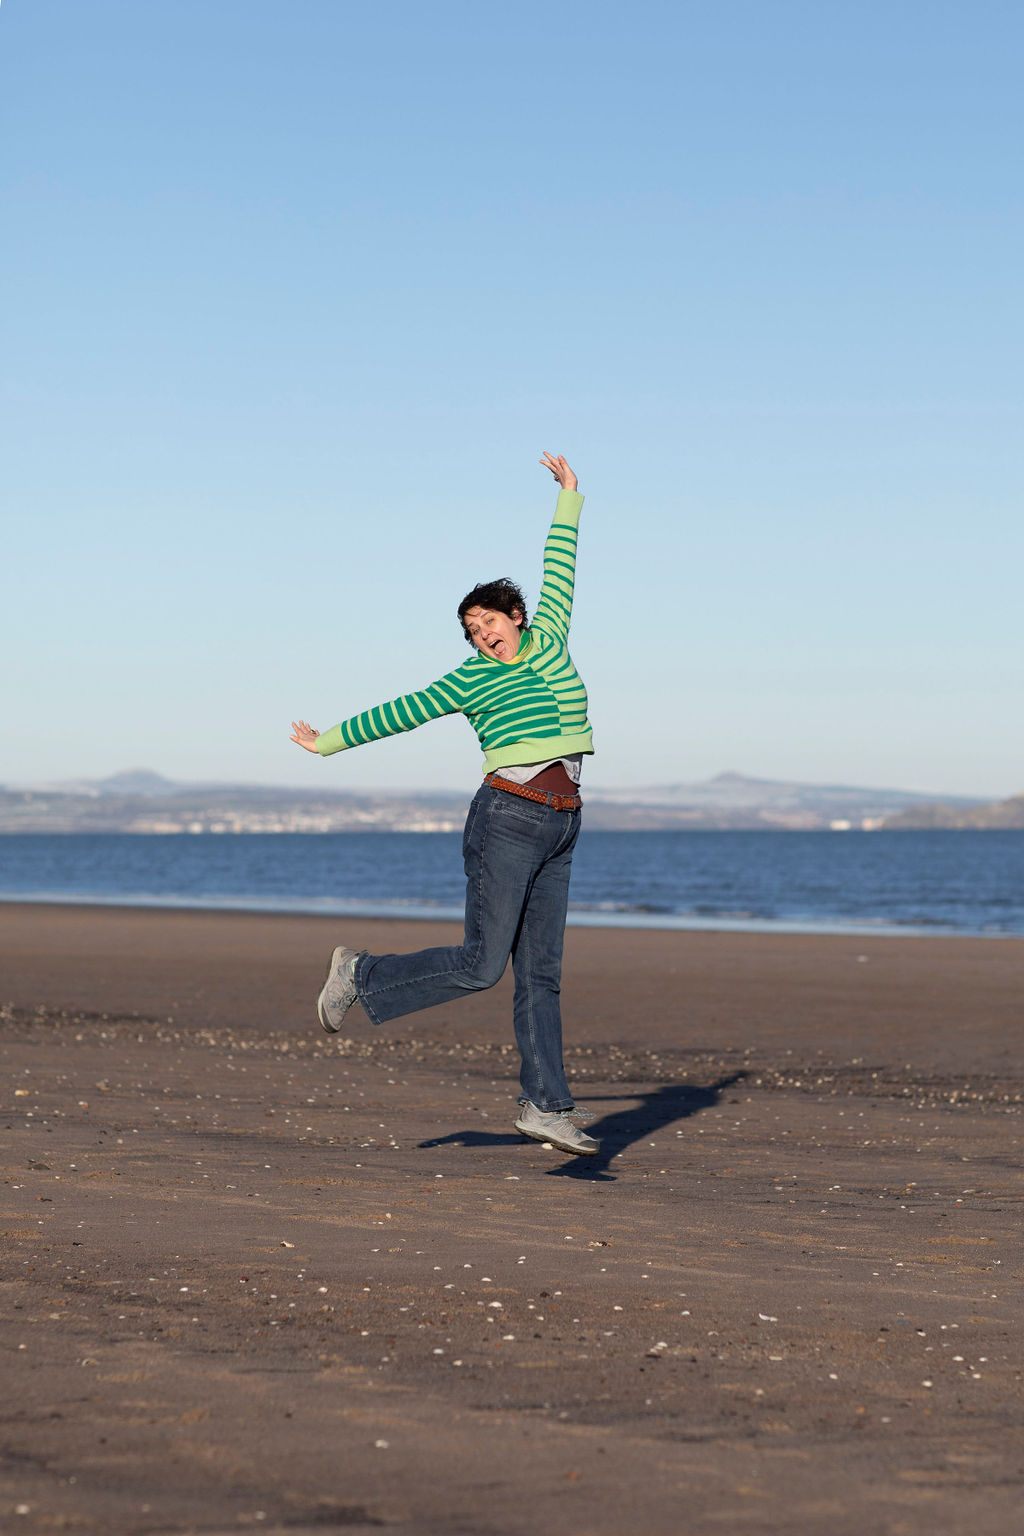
527 710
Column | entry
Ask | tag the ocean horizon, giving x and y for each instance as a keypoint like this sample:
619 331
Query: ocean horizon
873 883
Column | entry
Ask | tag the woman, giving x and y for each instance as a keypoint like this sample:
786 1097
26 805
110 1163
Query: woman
527 704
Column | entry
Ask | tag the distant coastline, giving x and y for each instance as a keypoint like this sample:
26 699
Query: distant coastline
143 802
999 816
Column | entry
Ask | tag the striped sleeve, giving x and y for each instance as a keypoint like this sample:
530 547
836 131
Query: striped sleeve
554 607
445 697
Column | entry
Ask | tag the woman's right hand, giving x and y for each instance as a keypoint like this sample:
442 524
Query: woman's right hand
304 735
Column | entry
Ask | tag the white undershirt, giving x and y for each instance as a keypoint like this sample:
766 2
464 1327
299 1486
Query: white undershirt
522 773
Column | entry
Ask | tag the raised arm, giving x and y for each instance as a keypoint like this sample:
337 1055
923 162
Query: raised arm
554 606
445 697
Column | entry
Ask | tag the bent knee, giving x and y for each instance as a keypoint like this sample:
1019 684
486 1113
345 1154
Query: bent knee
478 978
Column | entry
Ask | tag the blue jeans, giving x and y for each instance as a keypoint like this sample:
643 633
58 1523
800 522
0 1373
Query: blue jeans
518 856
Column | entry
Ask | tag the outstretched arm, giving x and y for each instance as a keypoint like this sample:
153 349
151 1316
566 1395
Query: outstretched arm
554 606
445 697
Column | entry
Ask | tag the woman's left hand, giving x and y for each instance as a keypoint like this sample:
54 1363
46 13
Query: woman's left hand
561 471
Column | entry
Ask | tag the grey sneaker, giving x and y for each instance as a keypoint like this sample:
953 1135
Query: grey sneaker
556 1128
339 990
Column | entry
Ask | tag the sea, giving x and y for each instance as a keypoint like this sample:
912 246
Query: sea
794 882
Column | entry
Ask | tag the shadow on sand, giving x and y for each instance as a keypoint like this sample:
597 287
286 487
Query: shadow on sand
616 1130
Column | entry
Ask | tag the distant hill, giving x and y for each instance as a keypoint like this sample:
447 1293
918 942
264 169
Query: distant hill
165 807
1001 814
139 800
137 781
736 801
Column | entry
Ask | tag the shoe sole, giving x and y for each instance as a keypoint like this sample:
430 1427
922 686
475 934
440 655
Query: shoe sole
553 1141
325 1024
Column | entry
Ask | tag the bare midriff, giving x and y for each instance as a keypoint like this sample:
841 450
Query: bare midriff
553 780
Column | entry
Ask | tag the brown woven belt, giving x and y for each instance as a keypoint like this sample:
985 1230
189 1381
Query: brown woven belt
540 796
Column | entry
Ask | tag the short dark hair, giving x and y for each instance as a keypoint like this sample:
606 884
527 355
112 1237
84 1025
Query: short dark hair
502 596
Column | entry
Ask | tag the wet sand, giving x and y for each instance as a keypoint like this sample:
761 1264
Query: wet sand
256 1279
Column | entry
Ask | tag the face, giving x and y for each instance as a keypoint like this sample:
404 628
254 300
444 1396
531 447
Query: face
494 633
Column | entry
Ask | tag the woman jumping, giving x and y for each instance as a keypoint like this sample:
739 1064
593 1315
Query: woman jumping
524 698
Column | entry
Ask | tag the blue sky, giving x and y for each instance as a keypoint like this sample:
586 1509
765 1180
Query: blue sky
295 295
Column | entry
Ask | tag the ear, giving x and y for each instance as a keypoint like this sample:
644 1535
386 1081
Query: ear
516 617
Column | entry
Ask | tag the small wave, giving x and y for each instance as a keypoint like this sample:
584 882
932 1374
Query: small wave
580 915
299 906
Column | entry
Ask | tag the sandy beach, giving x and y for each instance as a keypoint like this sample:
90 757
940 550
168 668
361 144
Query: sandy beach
256 1279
